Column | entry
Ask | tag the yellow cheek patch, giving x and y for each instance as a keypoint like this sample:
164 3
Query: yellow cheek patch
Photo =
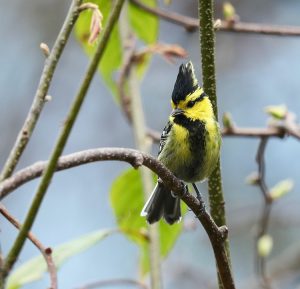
201 110
182 104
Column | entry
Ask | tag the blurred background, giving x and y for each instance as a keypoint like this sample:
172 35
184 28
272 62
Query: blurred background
253 71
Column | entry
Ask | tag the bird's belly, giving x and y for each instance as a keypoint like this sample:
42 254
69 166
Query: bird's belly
191 157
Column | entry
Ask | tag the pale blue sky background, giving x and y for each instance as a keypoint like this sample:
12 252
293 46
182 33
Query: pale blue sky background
252 72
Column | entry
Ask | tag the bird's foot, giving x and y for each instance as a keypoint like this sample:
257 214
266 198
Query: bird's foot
185 191
198 194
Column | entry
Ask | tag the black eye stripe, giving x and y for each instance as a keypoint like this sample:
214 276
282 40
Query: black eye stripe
191 103
202 95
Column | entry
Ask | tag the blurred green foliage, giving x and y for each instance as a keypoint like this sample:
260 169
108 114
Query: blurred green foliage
35 268
142 24
127 200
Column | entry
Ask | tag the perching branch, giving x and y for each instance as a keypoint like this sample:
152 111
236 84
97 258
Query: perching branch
134 157
61 142
192 24
216 235
40 95
46 252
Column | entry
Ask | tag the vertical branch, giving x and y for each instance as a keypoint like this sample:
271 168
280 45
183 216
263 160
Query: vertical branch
207 43
39 98
60 144
143 143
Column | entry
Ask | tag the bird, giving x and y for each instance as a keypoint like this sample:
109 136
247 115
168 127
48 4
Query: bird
189 145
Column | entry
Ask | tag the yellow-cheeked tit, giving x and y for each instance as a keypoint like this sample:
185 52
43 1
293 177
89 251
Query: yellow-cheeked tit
189 145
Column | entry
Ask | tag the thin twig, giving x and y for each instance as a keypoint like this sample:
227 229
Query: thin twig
290 125
45 251
261 167
249 132
260 29
192 24
137 118
130 59
41 92
189 23
289 128
61 141
254 132
124 72
265 218
113 282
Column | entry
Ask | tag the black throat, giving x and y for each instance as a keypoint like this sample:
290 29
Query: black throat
182 120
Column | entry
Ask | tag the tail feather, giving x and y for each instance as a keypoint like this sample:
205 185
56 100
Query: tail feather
162 204
172 212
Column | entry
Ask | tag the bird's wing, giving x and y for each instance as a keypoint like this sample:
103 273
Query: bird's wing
164 136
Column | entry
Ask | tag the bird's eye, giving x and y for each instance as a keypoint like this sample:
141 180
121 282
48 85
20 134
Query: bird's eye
191 103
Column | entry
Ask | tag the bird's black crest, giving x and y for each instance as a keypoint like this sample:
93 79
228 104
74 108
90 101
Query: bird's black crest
186 82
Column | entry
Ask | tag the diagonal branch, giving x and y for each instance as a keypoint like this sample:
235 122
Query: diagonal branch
46 252
41 92
192 24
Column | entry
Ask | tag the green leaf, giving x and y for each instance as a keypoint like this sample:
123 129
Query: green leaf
167 2
35 268
127 201
113 54
228 11
264 245
277 111
144 24
227 121
281 189
146 27
168 236
126 197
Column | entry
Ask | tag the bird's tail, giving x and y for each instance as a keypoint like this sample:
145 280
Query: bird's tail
161 203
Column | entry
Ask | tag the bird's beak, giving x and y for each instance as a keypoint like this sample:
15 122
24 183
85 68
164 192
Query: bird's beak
176 111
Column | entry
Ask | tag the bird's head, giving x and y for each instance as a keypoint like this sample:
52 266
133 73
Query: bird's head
188 97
